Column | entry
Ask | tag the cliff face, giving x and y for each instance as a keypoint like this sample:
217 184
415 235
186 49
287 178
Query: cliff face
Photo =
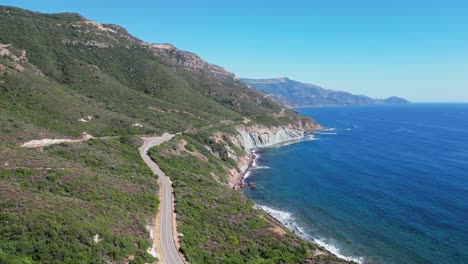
252 137
255 137
258 136
188 60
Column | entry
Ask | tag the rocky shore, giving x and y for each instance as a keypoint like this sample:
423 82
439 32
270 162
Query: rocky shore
251 138
260 137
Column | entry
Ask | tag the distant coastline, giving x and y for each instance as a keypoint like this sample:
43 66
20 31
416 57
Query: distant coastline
294 94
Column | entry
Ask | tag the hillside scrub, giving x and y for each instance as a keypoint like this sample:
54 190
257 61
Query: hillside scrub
57 70
219 224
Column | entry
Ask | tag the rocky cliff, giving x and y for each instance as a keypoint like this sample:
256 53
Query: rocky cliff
260 136
187 60
249 138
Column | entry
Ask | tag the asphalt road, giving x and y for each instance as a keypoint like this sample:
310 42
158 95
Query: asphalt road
167 233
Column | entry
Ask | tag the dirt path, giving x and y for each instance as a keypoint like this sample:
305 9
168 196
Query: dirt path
40 143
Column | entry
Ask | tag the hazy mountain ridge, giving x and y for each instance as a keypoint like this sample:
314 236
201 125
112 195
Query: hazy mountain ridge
295 94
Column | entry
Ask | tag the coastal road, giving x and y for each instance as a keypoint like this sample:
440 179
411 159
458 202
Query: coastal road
168 234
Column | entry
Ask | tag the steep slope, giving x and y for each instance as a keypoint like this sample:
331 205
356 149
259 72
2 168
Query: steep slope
93 201
296 94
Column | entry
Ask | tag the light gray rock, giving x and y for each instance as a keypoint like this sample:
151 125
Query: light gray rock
256 137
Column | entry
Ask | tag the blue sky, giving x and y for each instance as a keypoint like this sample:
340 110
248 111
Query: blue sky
412 48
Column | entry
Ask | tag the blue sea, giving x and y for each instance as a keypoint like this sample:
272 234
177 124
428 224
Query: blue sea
383 184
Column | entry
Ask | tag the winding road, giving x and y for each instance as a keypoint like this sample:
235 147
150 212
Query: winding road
168 234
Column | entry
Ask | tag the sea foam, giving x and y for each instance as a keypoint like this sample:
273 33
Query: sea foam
246 175
287 219
310 137
260 168
253 166
336 251
255 158
327 131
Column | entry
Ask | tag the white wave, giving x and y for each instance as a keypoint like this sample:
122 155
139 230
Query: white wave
336 252
287 220
253 166
310 138
246 175
260 167
255 158
283 217
254 163
348 129
327 133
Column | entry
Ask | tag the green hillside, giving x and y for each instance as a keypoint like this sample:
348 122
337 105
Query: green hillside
62 75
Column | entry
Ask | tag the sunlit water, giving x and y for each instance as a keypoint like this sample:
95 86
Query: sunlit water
384 184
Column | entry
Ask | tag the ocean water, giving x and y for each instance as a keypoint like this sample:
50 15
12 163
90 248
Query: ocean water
384 184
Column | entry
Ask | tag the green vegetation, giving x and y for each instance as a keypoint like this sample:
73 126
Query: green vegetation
51 214
60 76
120 81
219 224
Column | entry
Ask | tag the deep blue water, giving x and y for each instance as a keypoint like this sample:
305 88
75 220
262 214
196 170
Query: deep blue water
388 184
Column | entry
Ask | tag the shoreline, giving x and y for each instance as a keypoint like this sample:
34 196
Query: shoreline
251 164
285 218
287 221
238 176
249 161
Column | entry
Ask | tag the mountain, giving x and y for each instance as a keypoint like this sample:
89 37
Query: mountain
76 96
295 94
395 100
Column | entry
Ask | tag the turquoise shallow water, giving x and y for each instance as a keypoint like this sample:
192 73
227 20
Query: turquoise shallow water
385 184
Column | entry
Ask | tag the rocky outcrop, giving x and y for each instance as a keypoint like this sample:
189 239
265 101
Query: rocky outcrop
187 60
251 137
88 43
264 137
15 58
